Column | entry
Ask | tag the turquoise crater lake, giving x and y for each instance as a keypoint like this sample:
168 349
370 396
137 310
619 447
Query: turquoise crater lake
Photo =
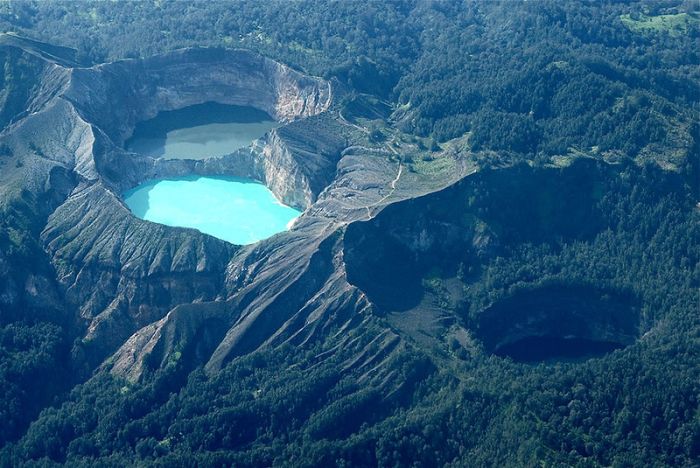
236 210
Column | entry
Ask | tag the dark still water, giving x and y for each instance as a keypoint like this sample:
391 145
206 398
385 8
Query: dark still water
552 348
199 132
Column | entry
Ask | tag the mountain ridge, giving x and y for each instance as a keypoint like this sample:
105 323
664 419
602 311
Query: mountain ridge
407 274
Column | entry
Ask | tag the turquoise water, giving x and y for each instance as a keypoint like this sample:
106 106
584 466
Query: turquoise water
200 131
239 211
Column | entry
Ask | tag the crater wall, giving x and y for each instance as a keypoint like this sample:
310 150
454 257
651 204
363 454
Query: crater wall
117 272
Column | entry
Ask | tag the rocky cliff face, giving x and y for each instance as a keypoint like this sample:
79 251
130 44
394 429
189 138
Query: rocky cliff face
117 95
146 296
117 272
156 294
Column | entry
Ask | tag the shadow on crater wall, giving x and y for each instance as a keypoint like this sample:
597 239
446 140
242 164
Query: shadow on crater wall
382 267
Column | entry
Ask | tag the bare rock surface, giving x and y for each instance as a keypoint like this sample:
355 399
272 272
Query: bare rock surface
145 295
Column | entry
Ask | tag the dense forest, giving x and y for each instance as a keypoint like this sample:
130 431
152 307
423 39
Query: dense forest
528 81
636 407
532 77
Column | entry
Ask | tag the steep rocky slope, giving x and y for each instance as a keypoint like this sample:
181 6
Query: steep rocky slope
117 272
177 289
382 278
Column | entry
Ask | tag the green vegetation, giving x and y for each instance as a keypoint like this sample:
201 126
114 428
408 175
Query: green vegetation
34 351
638 406
542 91
16 82
673 24
560 76
440 166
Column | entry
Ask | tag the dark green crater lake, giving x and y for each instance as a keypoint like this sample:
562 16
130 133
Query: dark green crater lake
200 131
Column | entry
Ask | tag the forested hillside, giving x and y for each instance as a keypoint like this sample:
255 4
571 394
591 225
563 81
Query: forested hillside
527 89
533 77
